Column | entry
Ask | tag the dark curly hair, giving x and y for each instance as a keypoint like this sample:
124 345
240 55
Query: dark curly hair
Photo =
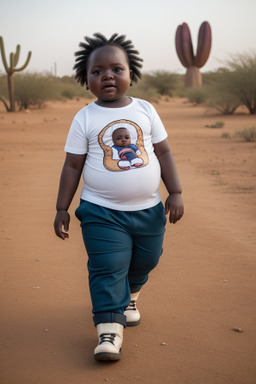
99 41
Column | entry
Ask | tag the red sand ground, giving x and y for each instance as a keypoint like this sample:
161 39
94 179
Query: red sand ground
203 288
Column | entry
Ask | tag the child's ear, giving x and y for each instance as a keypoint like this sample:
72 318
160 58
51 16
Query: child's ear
131 76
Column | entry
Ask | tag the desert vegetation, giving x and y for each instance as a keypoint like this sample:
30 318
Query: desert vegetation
10 69
223 90
247 134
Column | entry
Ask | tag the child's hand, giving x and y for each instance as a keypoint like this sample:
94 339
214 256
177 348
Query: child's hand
61 221
174 205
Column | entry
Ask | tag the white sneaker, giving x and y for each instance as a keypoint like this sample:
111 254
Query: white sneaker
137 162
131 312
110 341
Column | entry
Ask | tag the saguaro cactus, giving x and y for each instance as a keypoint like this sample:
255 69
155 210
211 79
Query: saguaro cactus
184 48
14 58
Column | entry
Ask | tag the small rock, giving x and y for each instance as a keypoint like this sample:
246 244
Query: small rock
237 329
164 344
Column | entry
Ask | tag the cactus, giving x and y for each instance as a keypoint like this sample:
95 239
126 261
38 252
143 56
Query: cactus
184 48
11 69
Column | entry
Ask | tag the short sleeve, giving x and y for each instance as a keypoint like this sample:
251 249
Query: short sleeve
77 142
158 131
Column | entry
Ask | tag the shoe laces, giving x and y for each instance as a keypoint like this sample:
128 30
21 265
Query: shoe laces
107 337
131 306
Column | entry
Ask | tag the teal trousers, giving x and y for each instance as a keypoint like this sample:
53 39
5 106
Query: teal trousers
122 248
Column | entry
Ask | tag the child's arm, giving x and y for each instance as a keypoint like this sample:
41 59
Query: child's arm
69 181
170 177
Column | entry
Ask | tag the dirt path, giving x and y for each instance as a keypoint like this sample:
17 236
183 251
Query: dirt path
203 288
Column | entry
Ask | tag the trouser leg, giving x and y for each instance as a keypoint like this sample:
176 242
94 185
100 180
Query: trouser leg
149 228
109 248
109 255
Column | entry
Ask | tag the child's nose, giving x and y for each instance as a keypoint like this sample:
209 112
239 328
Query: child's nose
108 75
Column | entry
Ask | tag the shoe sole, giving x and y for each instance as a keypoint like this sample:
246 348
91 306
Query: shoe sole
132 323
107 356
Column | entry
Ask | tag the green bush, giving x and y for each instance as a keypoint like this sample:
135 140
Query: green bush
196 95
221 97
243 79
163 82
34 89
149 94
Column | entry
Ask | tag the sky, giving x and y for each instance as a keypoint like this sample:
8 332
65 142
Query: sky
52 29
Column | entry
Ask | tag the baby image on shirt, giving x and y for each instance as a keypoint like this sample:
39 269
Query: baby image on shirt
124 150
122 143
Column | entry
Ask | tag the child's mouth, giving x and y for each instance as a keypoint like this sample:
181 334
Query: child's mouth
109 86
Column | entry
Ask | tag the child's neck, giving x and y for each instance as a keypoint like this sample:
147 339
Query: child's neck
118 103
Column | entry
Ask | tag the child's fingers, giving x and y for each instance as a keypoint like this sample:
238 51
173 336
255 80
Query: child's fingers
175 214
61 224
174 206
64 235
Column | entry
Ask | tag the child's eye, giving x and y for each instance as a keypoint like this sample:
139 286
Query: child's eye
96 72
117 69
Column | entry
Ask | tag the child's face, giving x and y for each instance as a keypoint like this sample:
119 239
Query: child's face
108 73
121 137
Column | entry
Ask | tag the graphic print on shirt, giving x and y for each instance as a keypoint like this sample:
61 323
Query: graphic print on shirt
123 146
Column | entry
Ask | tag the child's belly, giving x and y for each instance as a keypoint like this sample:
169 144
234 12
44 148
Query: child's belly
125 189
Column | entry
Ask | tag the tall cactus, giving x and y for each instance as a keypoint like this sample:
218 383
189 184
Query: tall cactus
11 69
184 48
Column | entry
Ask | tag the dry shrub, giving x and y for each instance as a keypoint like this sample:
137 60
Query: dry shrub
247 134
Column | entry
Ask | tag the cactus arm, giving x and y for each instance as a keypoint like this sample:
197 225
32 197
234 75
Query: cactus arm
184 46
203 45
179 47
17 55
11 68
26 63
3 54
187 44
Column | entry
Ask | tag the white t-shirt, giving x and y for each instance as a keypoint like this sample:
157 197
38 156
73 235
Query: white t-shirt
127 178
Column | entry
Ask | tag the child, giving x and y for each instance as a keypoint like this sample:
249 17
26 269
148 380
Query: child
122 217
